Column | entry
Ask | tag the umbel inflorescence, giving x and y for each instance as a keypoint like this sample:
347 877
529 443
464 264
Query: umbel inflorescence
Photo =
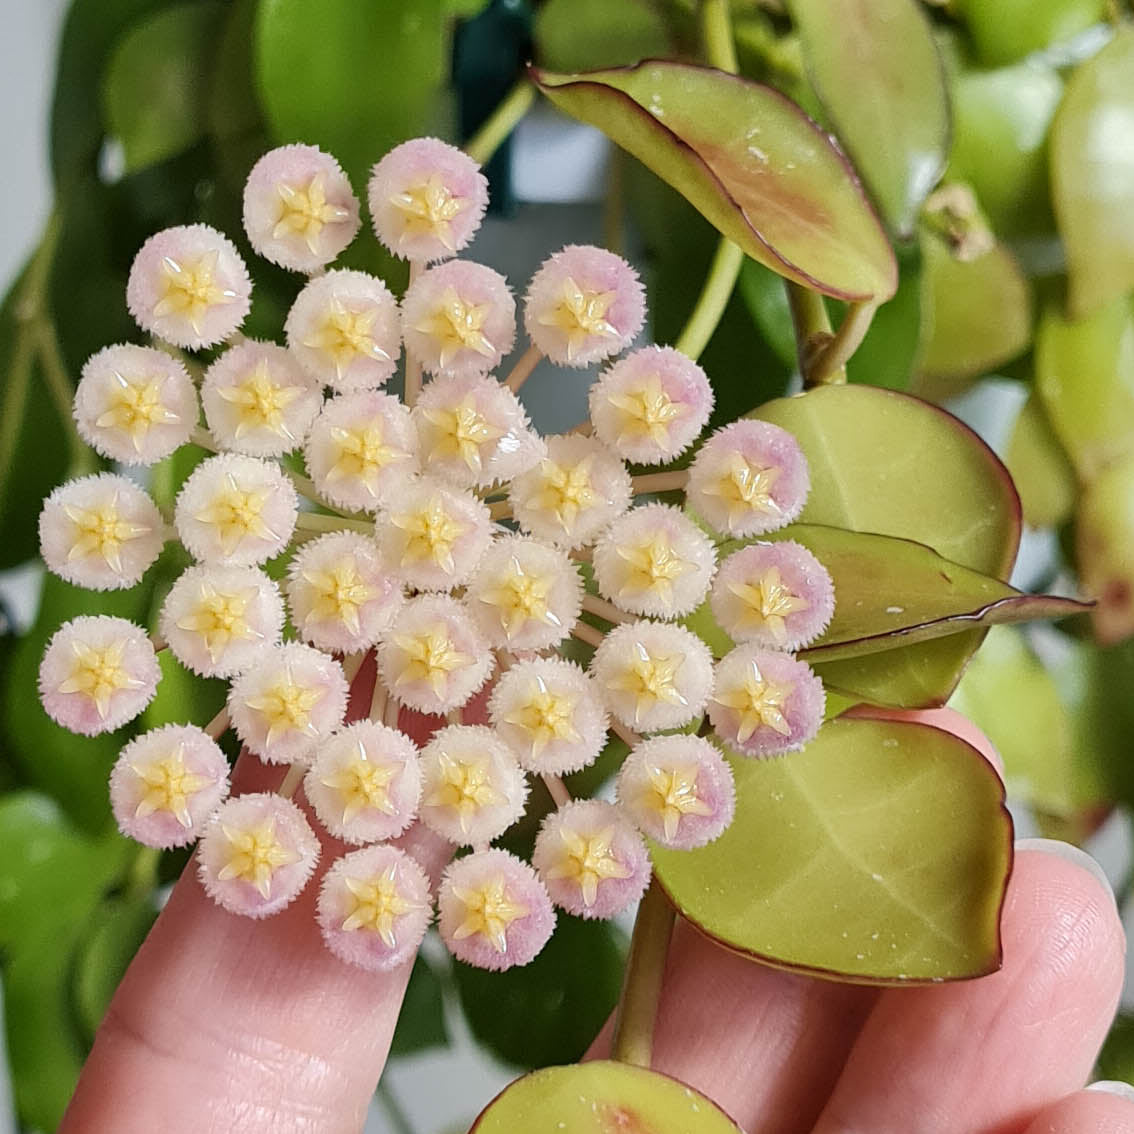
444 535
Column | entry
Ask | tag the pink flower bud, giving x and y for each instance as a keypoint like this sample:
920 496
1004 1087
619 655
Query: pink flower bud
258 400
653 676
299 209
219 620
654 560
344 329
550 713
362 450
773 594
748 478
189 286
236 510
365 783
257 854
426 199
135 404
583 305
651 405
100 531
289 703
678 790
97 673
374 908
765 702
591 859
494 911
459 318
166 785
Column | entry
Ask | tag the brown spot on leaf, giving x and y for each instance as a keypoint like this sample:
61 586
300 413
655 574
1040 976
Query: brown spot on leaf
618 1120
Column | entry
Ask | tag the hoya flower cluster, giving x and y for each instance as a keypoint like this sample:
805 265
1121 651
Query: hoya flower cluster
440 536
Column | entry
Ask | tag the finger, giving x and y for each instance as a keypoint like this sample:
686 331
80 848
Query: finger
986 1055
223 1023
1087 1112
946 719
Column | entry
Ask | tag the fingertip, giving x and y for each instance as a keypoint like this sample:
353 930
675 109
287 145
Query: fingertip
1092 1111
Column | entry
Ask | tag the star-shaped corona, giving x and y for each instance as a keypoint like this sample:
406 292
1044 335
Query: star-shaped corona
190 289
460 431
456 324
98 673
169 787
429 209
254 855
304 211
261 403
580 315
136 408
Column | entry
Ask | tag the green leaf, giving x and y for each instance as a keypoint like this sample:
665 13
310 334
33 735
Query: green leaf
598 1098
876 69
1104 550
548 1011
1007 30
1085 380
766 297
879 853
1091 142
1116 1060
579 35
154 89
887 355
421 1022
762 172
1040 469
351 76
182 696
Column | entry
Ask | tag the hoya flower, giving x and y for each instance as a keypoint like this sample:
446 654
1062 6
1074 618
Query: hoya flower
773 594
218 620
102 532
365 783
426 199
434 535
362 450
374 908
573 494
299 209
494 911
765 702
591 859
650 406
459 318
472 788
654 560
257 854
344 329
259 400
583 305
525 595
473 431
748 478
341 596
653 676
236 510
433 659
678 790
134 404
289 703
550 713
166 785
97 673
189 286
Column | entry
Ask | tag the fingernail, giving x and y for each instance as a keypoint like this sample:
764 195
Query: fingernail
1113 1087
1070 854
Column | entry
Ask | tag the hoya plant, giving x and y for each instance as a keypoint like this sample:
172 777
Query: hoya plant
331 620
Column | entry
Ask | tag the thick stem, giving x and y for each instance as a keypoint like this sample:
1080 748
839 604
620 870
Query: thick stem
645 971
317 522
830 366
823 353
592 604
503 120
716 36
522 371
557 789
660 482
587 634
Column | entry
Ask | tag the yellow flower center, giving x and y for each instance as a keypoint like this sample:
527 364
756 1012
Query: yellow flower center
169 787
579 314
430 534
428 209
457 325
345 335
261 403
286 707
306 211
746 488
376 905
672 792
189 289
461 432
545 716
767 603
520 597
220 618
362 455
465 786
646 412
430 657
103 531
98 673
564 490
651 679
338 594
651 567
363 784
586 860
237 514
757 701
135 408
489 911
255 855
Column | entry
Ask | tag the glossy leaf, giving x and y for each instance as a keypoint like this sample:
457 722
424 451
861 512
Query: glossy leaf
1092 180
766 297
421 1021
1104 549
1006 30
550 1010
887 355
876 69
1085 379
762 172
879 853
601 1097
1040 469
579 35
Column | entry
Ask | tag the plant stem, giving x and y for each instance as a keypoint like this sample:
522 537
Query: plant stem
716 35
588 634
822 353
522 371
830 366
493 132
61 391
399 1120
317 522
672 481
592 604
557 789
645 971
142 876
291 780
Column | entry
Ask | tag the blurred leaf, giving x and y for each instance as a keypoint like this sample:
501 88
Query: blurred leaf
1091 143
421 1022
550 1010
1116 1060
601 1096
976 315
182 696
1085 380
879 852
1042 474
1104 550
887 355
766 297
579 35
764 174
1007 30
154 88
876 70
